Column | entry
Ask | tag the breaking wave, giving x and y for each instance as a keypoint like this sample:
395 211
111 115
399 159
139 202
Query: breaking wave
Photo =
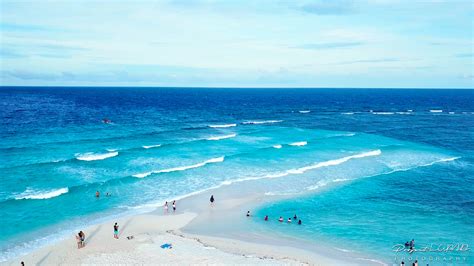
300 143
90 156
222 137
261 122
151 146
181 168
32 194
223 126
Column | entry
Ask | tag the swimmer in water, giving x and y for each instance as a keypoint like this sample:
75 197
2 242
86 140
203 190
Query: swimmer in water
281 219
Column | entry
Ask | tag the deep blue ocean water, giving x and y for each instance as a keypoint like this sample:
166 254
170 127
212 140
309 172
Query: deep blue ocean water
365 169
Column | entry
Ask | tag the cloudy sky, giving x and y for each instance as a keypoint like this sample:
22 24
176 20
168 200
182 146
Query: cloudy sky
337 43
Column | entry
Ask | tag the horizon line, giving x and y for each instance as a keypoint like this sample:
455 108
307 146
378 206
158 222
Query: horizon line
227 87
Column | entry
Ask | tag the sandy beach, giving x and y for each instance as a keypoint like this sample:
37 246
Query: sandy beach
199 233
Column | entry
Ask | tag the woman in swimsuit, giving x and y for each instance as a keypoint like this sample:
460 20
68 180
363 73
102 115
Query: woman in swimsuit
79 241
116 231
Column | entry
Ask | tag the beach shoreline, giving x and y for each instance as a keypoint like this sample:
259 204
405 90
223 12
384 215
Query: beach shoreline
200 234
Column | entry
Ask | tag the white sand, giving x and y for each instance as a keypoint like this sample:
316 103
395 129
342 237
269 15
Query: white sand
150 231
200 234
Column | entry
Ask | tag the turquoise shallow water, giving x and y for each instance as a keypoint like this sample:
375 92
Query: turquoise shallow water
364 169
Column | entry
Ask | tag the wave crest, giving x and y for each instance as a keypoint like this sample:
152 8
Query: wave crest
32 194
299 143
223 126
222 137
181 168
261 122
383 113
90 156
151 146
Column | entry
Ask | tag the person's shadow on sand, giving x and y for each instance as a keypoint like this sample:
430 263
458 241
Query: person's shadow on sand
93 234
44 258
124 226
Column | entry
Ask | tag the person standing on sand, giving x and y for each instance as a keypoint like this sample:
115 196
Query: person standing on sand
174 205
116 232
83 239
79 241
212 200
248 213
166 207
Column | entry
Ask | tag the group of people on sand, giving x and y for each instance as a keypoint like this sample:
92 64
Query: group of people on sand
295 218
173 205
81 239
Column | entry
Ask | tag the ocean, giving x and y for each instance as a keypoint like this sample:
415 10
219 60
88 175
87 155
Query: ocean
364 169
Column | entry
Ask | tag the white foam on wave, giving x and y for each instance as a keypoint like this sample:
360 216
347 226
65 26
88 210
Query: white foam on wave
404 113
151 206
152 146
326 182
90 156
262 122
323 183
383 113
348 113
111 150
33 194
345 135
442 160
451 113
299 143
278 146
222 137
436 111
223 126
335 161
305 111
181 168
306 168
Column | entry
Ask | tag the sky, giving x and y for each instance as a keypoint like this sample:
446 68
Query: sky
206 43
